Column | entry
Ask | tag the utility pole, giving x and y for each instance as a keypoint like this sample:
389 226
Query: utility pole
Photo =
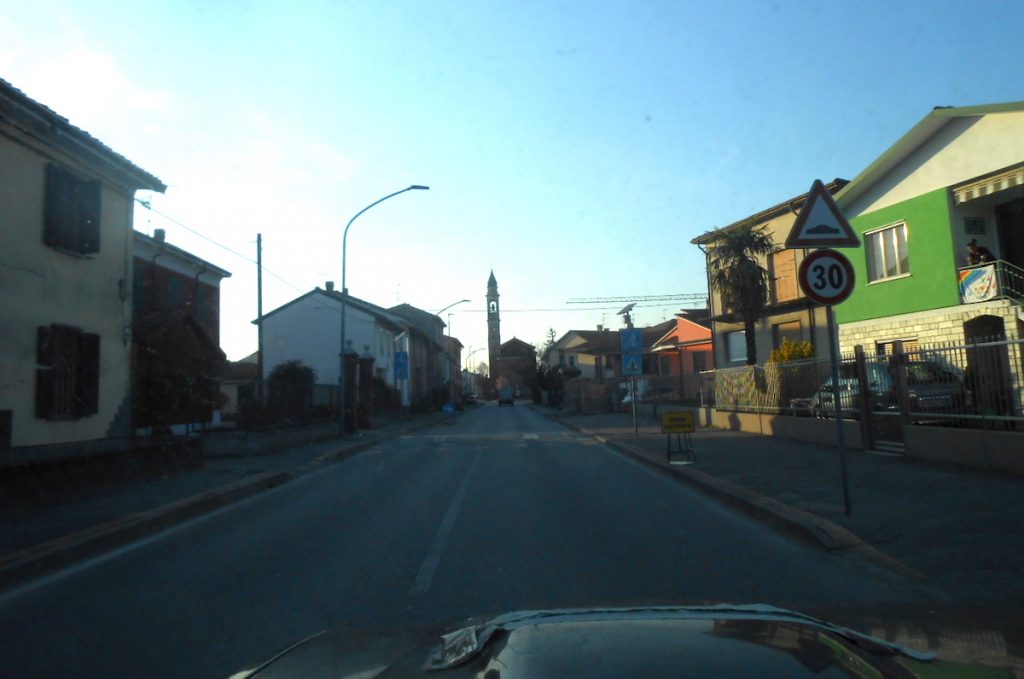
259 317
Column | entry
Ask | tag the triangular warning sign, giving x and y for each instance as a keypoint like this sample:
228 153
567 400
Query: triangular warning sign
820 224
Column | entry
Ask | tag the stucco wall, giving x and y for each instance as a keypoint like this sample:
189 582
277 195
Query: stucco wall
813 328
310 331
42 286
932 281
964 148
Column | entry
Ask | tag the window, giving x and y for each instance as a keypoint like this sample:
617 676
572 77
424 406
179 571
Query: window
783 272
173 293
202 303
887 253
72 212
609 362
572 360
910 346
700 359
736 346
789 330
67 373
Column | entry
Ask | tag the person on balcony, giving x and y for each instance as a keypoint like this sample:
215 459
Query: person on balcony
978 254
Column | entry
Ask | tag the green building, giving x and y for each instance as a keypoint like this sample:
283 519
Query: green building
956 177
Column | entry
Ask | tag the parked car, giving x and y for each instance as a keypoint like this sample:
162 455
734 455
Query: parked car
649 392
931 388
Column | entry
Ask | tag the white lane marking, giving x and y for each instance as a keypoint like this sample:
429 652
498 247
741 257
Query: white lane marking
530 437
429 566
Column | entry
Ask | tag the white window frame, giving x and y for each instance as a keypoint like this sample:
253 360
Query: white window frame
869 250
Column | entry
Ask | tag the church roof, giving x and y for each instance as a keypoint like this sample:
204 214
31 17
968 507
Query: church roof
492 282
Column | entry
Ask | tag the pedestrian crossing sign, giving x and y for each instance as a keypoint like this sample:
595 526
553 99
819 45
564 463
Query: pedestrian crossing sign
632 365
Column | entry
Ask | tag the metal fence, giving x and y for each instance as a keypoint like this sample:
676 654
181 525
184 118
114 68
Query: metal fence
978 384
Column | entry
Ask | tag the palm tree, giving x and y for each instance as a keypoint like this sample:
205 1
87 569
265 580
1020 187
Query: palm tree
738 277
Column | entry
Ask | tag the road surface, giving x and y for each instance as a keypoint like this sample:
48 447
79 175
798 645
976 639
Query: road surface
503 510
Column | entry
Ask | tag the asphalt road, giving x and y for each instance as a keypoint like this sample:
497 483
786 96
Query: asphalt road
503 510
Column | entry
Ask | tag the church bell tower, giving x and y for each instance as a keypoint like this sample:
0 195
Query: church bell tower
493 326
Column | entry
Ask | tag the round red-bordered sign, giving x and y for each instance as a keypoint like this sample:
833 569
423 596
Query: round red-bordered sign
826 276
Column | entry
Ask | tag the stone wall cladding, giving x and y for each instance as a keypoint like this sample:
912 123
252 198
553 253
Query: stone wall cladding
928 327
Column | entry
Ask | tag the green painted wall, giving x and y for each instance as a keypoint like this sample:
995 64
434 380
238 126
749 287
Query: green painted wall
932 283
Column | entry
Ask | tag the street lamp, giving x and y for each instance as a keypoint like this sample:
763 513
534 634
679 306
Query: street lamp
470 355
344 291
451 377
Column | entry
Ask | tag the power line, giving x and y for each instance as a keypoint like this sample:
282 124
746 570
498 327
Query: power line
684 297
566 309
146 204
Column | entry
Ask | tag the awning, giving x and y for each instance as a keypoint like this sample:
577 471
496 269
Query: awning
1000 181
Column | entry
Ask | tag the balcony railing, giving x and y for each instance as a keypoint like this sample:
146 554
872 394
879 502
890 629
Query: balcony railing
992 280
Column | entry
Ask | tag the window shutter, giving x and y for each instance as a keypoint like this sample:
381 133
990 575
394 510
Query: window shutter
55 208
89 217
87 377
44 372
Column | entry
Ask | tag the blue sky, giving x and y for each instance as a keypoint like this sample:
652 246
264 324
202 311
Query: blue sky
573 147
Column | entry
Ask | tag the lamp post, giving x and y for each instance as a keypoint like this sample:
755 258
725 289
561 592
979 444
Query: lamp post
451 376
344 292
469 367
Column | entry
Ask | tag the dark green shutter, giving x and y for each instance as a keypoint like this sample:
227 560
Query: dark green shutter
87 374
89 217
44 372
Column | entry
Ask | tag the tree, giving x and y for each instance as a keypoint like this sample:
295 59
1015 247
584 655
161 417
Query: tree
739 278
291 388
549 341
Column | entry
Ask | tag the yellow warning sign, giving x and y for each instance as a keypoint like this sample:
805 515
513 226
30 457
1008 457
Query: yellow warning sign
677 423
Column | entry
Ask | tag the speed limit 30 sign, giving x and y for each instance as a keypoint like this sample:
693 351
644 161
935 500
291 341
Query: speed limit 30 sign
826 276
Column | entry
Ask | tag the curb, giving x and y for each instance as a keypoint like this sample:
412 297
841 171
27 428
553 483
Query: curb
810 528
38 560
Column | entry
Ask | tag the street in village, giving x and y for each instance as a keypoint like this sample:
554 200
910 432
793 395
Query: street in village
506 509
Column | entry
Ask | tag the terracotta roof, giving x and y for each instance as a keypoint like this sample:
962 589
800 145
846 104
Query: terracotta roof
20 110
774 211
184 254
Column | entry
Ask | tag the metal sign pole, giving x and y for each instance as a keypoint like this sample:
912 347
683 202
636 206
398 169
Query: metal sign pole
837 400
636 430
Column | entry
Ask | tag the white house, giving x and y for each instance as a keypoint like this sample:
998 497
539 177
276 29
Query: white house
308 329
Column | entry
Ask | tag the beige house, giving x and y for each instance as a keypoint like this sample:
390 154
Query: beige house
791 315
66 204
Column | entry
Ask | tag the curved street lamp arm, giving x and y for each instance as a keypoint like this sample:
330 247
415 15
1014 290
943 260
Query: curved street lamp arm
344 237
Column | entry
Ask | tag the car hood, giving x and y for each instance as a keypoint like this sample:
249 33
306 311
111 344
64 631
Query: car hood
698 641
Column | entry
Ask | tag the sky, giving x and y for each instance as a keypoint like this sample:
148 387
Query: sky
574 148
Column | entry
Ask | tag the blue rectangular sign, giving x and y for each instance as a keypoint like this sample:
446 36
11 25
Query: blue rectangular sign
632 365
632 340
401 365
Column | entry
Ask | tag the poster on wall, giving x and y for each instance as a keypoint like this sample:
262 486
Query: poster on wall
978 284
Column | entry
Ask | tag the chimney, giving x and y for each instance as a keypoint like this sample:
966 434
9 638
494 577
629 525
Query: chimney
159 235
330 288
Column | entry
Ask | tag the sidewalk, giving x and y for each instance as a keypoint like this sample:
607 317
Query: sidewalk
960 528
58 530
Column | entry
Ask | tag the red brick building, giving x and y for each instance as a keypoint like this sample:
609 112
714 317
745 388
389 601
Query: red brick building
176 356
